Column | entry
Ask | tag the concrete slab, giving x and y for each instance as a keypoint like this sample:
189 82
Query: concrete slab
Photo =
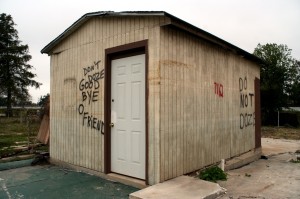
180 187
243 159
272 146
50 181
15 164
275 177
139 184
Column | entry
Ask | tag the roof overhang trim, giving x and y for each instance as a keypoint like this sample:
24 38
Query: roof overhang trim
174 21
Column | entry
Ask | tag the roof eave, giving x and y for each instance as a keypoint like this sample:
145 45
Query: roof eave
47 49
183 25
211 38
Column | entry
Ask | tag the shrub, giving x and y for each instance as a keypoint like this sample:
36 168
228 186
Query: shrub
213 174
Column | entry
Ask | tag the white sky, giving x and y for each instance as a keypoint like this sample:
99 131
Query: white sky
244 23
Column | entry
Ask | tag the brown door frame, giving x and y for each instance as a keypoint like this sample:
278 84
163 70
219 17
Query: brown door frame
127 50
257 113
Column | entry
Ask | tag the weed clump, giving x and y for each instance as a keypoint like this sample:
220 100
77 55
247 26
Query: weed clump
213 174
294 161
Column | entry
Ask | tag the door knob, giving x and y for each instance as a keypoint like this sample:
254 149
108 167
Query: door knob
111 124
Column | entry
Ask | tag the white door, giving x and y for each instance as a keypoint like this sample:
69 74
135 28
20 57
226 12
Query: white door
128 116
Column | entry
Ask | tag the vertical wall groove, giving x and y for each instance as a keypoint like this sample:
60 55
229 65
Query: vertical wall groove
200 96
73 140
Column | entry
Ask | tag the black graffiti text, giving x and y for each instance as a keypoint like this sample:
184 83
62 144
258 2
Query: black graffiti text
92 81
247 119
89 120
90 96
88 69
242 84
89 87
245 98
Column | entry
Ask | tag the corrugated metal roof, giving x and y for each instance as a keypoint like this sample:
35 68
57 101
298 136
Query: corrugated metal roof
174 22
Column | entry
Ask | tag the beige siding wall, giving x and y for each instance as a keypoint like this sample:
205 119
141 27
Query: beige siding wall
194 100
75 138
202 119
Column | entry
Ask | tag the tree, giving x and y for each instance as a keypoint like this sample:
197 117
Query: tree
43 100
15 75
294 97
279 79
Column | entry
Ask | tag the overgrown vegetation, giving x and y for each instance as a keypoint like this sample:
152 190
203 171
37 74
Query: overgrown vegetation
213 174
295 161
17 134
281 132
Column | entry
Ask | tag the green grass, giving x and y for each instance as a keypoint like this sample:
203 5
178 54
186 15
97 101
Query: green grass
7 140
13 131
13 126
295 161
213 174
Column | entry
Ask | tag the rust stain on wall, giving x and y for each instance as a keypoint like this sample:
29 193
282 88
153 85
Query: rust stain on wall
154 76
172 63
70 79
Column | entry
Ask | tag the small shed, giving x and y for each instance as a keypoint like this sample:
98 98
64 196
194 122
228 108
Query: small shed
149 96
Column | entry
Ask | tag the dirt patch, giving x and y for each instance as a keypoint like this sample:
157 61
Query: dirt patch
272 146
274 177
280 132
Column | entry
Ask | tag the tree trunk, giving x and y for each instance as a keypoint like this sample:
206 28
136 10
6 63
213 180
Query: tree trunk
9 112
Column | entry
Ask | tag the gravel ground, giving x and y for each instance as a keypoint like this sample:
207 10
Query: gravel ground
275 177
